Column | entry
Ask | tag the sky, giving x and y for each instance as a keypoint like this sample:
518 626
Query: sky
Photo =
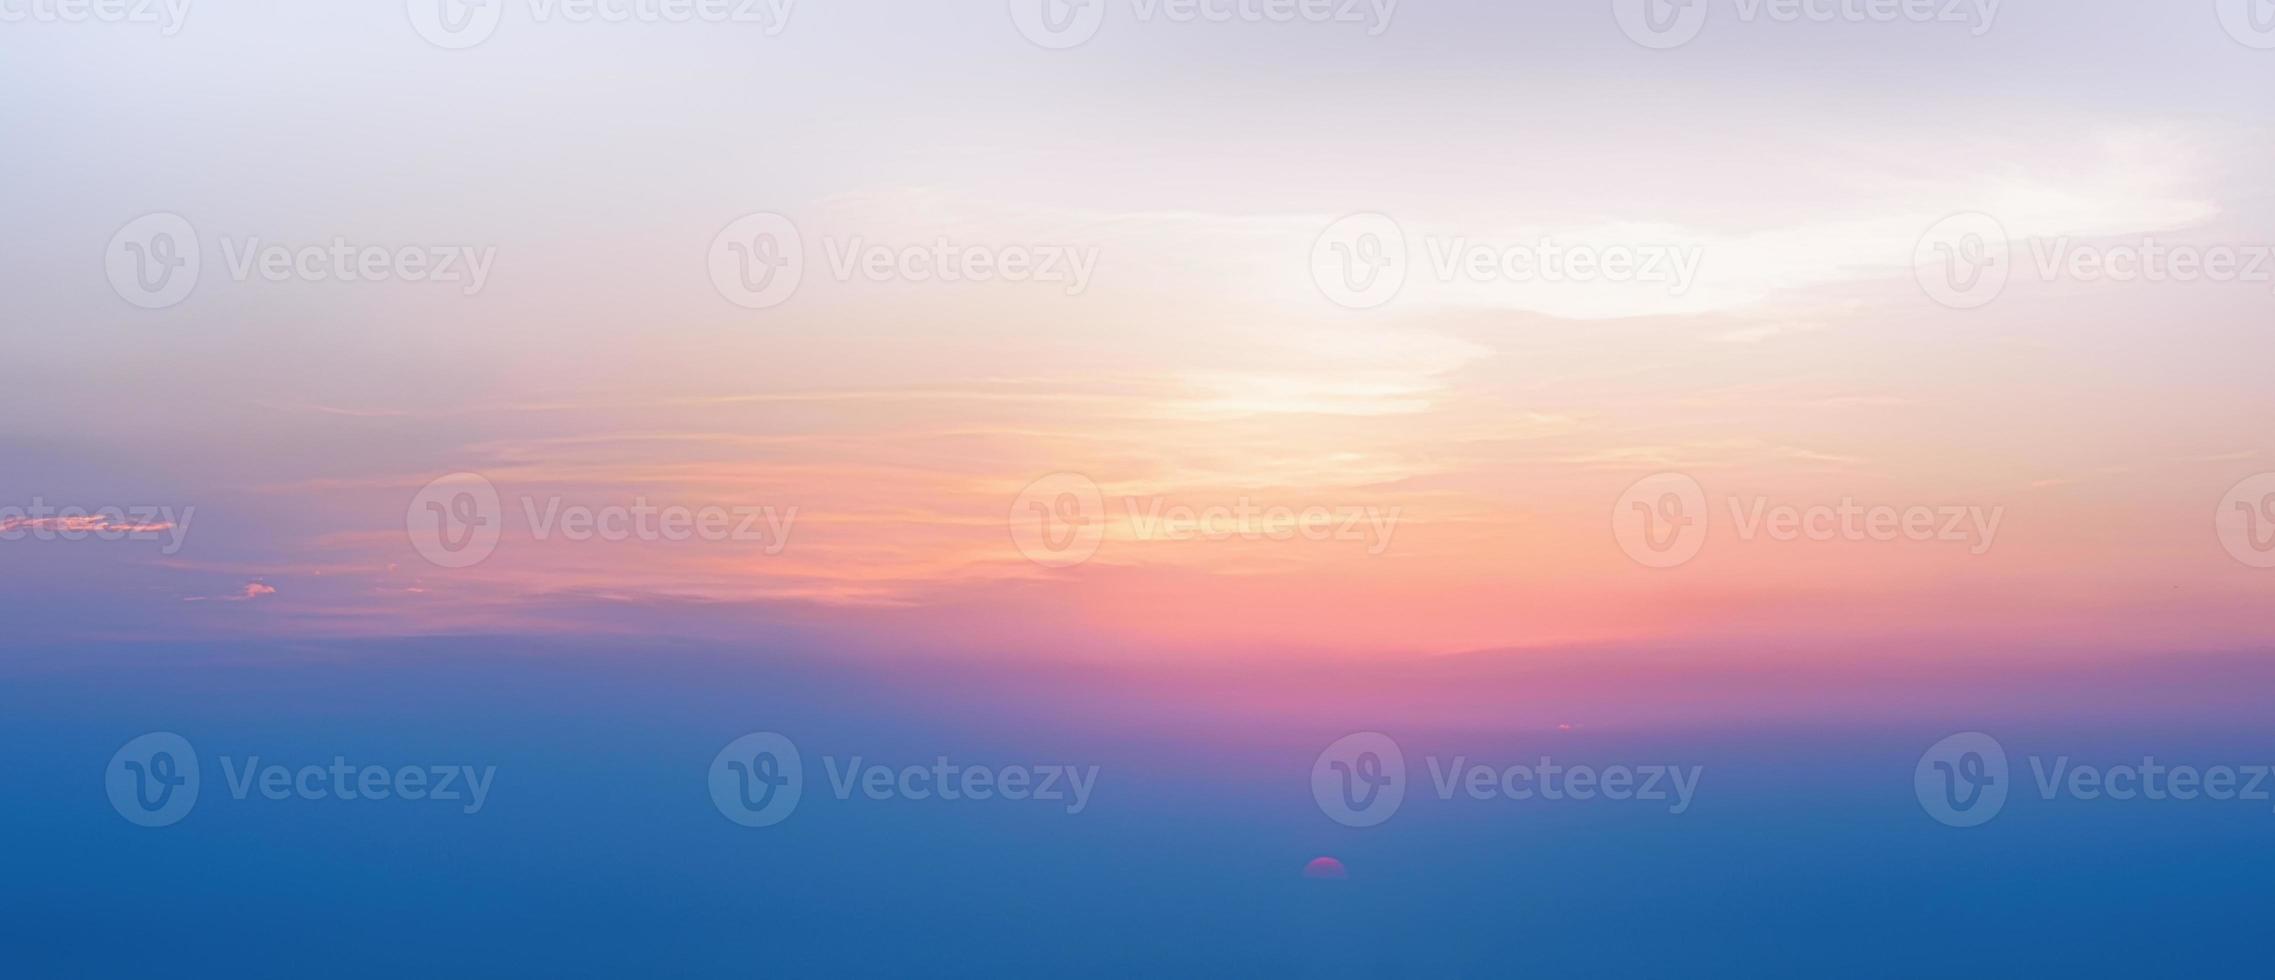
1197 362
1145 379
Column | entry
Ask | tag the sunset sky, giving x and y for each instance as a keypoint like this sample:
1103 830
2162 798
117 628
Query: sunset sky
1156 388
1199 365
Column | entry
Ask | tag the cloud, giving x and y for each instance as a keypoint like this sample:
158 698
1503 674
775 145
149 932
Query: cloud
251 592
